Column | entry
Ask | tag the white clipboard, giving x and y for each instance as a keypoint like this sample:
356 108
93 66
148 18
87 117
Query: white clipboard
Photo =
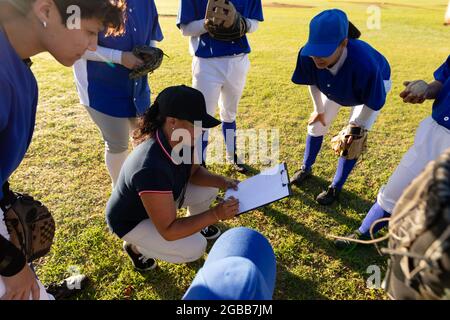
265 188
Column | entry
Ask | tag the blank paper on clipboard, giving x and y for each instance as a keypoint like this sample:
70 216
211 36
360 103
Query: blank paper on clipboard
269 186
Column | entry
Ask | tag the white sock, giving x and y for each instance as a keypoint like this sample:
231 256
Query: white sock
114 162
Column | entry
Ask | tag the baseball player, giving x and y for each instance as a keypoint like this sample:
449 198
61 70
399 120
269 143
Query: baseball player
220 59
339 72
113 99
432 139
28 27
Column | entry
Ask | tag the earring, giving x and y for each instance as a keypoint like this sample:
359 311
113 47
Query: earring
44 23
173 129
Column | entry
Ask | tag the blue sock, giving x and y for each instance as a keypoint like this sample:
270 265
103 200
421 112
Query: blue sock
375 213
229 134
343 170
313 145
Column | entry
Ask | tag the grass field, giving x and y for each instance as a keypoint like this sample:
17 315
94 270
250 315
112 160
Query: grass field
64 166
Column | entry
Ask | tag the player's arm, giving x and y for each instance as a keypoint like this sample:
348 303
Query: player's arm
108 55
193 29
418 91
202 177
162 211
319 109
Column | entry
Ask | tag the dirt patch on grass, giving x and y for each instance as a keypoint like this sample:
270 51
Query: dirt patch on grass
287 5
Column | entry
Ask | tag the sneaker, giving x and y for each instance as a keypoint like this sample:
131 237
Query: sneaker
211 232
68 287
139 261
301 176
328 196
344 244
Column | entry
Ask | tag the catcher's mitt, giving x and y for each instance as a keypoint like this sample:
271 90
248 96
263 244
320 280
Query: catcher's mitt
351 150
152 58
30 225
223 21
419 237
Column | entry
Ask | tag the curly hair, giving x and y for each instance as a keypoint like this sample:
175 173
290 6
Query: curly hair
148 124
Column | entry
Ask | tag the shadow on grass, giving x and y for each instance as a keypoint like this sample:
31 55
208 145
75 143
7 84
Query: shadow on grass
357 260
347 200
292 287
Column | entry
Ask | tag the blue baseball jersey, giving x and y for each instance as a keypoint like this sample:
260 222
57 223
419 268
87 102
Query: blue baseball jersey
18 103
441 106
109 88
192 10
359 81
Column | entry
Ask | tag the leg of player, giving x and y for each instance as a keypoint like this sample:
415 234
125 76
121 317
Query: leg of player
316 132
208 81
228 103
364 117
430 142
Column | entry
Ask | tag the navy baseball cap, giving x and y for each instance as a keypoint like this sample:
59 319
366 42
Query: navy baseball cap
185 103
326 32
240 266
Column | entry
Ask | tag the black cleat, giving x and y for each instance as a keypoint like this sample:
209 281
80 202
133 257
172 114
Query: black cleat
68 288
238 165
301 176
211 232
329 196
344 244
139 261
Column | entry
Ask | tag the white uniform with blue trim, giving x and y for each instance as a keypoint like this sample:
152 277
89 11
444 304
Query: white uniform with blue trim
219 68
432 139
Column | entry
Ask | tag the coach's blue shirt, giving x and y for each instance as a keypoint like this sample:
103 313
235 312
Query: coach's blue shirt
109 88
192 10
18 102
150 168
441 106
359 81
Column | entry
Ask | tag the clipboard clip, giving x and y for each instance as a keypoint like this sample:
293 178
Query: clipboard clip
283 178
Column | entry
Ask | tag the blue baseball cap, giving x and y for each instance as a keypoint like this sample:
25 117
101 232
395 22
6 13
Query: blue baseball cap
326 32
240 266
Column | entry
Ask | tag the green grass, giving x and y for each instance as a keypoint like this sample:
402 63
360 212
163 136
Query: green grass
64 166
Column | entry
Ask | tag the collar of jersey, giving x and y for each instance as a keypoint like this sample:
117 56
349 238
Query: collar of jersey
335 69
165 146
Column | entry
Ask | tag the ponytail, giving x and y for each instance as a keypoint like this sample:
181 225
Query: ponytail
148 124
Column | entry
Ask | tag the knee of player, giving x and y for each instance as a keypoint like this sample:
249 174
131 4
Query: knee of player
195 250
116 146
317 129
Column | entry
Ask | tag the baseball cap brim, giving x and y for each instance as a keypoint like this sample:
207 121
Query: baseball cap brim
319 50
209 121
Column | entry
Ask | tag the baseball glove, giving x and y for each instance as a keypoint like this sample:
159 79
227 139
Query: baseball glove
419 237
152 58
223 22
353 149
30 225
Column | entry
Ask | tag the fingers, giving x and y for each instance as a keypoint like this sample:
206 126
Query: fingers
322 121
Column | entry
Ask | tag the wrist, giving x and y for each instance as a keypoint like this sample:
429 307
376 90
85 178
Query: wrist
214 212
